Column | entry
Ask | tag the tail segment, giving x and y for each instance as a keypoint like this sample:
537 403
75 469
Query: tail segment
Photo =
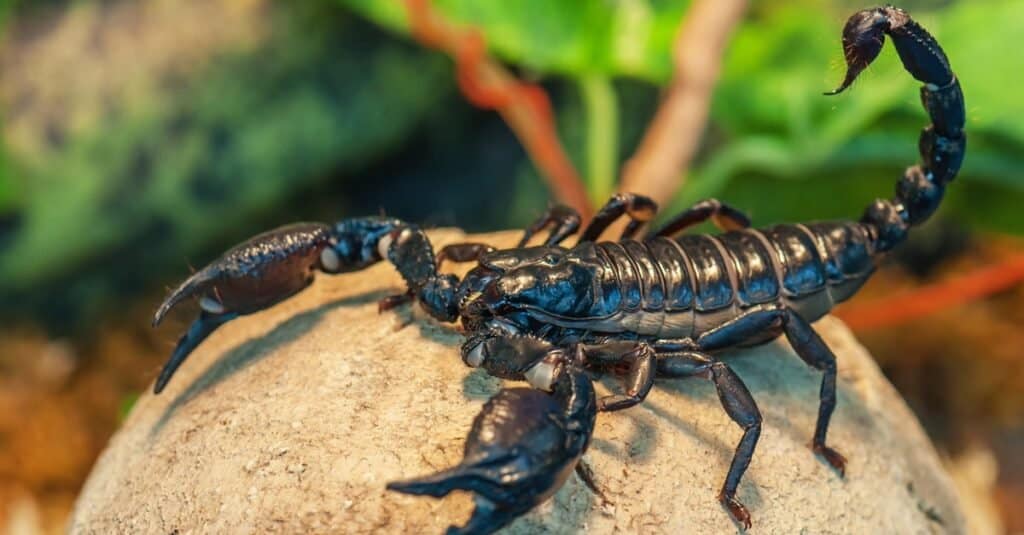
942 143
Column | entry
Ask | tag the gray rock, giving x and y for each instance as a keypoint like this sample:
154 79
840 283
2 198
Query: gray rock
293 419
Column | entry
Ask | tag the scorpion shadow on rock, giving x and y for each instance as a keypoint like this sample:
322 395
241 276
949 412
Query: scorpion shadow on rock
479 385
635 448
575 500
256 349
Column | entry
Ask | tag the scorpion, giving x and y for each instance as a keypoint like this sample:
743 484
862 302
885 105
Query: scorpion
663 306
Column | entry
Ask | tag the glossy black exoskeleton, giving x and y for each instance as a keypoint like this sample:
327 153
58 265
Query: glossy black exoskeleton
663 306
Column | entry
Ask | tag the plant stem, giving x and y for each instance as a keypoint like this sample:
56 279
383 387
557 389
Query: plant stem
664 156
602 140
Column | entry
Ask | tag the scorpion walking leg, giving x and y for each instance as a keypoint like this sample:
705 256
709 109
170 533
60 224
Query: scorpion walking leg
639 208
638 380
725 217
586 475
562 219
807 345
738 404
462 252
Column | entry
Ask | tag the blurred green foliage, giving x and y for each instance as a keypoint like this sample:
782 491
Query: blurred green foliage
565 37
772 132
7 194
171 166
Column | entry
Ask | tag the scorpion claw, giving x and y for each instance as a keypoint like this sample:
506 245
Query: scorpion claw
198 280
523 446
200 329
256 273
249 277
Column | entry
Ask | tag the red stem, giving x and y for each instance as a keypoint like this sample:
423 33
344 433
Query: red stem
926 300
524 106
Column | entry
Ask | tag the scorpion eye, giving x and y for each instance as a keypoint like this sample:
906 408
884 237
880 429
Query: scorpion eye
550 259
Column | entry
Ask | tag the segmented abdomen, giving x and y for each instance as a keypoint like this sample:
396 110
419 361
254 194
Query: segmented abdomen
684 286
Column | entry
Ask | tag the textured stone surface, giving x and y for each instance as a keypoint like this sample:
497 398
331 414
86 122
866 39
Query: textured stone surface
293 419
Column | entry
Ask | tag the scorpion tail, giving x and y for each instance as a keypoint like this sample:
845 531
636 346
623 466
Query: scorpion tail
942 143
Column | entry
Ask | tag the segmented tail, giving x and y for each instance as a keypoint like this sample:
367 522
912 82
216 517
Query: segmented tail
942 143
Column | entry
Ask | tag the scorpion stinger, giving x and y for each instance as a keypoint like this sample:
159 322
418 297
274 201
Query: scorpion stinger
942 143
523 446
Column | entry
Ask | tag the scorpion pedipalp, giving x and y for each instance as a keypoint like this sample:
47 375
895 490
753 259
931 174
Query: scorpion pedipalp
275 265
523 446
256 274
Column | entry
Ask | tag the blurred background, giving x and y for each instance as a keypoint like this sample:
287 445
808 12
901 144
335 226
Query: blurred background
139 138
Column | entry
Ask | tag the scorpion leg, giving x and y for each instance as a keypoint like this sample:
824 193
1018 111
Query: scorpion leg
523 446
738 404
539 362
724 217
639 378
639 208
807 345
395 301
586 475
562 219
462 252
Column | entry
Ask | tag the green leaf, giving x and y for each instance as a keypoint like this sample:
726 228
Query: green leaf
621 38
602 142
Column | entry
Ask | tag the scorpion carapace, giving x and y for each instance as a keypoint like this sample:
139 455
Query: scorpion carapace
662 306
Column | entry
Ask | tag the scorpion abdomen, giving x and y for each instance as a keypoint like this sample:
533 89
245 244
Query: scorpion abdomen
816 265
681 287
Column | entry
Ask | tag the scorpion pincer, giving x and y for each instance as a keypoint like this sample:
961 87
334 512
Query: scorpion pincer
662 306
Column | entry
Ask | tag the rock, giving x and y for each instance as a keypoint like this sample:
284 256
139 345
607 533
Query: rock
293 419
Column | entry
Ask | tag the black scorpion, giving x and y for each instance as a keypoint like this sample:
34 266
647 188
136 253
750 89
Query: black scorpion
658 307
